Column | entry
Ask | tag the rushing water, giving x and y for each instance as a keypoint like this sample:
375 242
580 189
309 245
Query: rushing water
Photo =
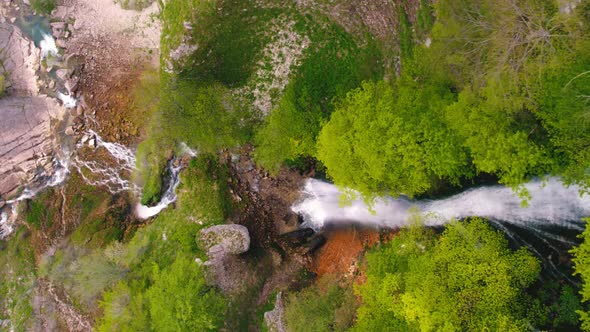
37 28
41 181
548 226
551 203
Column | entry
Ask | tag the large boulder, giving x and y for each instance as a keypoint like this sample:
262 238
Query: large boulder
231 239
224 268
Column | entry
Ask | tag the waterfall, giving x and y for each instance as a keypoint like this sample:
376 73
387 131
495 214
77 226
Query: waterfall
115 174
551 203
67 100
40 181
548 226
47 45
169 197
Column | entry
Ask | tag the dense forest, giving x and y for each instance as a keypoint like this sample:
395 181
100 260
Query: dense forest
463 92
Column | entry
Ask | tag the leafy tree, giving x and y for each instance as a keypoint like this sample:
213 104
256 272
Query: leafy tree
180 300
328 70
289 131
582 268
202 117
465 280
44 7
563 95
324 306
499 130
385 139
123 310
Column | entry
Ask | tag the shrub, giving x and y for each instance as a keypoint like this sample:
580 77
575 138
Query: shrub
325 306
44 7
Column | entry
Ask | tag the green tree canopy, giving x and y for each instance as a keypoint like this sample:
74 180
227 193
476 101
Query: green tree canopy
180 300
324 306
385 139
466 280
582 268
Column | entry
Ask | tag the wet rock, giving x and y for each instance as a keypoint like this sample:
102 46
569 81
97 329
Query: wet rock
69 131
274 318
63 74
302 233
78 111
92 142
232 239
72 84
57 29
316 243
61 43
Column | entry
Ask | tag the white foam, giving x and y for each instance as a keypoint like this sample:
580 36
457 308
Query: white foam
67 100
48 46
551 202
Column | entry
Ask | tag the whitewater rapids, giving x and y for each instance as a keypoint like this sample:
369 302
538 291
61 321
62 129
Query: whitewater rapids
551 203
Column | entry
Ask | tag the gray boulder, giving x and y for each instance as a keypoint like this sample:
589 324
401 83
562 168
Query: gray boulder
231 239
224 268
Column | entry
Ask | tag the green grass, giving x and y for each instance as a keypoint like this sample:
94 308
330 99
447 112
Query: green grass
2 83
17 280
203 200
333 64
40 211
43 7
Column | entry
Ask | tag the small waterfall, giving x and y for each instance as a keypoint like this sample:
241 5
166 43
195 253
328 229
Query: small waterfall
113 173
67 100
552 203
48 46
40 181
169 197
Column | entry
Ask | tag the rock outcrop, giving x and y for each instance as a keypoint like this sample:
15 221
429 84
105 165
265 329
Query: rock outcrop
274 318
27 142
19 60
224 268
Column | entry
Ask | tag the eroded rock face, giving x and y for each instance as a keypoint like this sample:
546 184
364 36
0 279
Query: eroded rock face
26 141
19 61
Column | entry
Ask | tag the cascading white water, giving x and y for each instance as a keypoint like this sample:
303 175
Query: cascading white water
48 46
169 197
41 181
551 203
116 177
67 100
112 175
